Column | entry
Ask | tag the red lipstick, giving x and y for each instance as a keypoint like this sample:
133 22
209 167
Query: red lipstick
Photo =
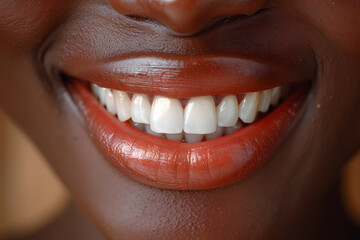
240 56
184 166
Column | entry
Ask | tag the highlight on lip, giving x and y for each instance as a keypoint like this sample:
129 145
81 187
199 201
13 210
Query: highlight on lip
211 115
163 163
197 119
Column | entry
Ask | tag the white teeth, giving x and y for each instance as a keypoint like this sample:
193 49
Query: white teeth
248 107
151 132
200 115
228 111
140 109
95 89
230 130
218 133
123 105
275 96
200 119
102 95
109 101
265 98
167 115
175 137
193 138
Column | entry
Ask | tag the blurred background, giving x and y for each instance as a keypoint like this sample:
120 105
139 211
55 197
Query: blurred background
31 195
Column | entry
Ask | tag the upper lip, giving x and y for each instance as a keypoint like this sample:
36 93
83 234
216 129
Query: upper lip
244 55
187 76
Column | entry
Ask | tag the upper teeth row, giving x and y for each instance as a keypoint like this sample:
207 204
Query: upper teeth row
200 116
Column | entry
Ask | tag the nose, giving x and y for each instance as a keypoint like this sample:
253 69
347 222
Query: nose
186 16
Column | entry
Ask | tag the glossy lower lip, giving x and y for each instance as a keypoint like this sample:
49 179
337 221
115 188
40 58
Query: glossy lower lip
167 164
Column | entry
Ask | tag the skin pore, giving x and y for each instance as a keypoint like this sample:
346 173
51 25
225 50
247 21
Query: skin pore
294 195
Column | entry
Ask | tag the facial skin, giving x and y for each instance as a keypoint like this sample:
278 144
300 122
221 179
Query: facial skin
274 202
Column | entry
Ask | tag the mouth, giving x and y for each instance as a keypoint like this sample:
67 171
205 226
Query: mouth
187 143
188 113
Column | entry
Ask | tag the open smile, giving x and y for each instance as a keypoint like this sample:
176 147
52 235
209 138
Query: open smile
199 142
177 119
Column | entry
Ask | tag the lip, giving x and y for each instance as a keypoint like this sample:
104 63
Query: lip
238 57
167 164
243 55
188 76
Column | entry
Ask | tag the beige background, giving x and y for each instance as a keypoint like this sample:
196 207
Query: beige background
31 195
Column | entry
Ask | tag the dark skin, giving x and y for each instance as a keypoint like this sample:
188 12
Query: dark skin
293 196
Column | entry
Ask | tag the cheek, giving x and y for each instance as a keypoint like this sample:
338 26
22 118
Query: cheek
25 24
338 20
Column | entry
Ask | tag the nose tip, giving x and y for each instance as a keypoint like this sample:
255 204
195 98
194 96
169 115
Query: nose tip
186 16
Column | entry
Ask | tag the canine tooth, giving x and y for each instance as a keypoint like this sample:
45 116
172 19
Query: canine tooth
218 133
102 95
232 129
228 111
275 96
200 115
140 109
110 102
265 98
167 115
95 89
193 138
151 132
248 107
175 137
122 104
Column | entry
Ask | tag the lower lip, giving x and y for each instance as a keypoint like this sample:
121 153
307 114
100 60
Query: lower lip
168 164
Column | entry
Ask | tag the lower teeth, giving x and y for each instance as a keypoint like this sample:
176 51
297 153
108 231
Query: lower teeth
189 137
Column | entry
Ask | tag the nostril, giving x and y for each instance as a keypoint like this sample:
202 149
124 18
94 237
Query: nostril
141 18
184 17
213 23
